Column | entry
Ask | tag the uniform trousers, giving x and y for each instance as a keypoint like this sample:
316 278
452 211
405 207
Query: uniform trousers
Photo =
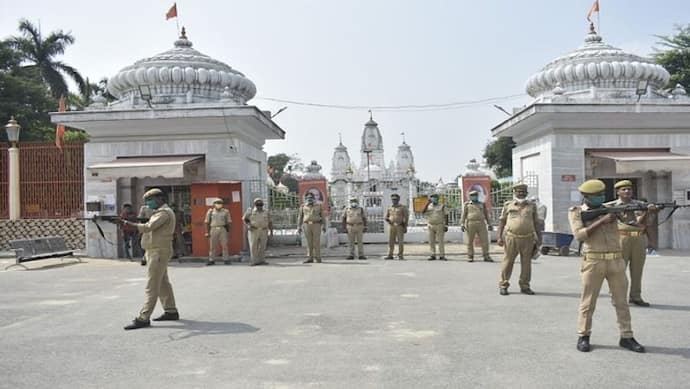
157 284
219 236
514 246
312 232
477 228
437 234
396 234
635 255
355 233
258 238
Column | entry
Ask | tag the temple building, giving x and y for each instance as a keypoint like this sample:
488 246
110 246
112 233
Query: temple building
600 112
371 180
180 122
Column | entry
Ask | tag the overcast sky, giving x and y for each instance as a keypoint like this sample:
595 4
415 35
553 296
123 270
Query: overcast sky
363 52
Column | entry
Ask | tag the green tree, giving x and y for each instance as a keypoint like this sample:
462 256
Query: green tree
41 53
675 55
282 167
499 156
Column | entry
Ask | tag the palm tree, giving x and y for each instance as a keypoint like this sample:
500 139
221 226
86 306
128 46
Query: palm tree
41 53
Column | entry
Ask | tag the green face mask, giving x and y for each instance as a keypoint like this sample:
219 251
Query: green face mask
596 201
151 203
474 199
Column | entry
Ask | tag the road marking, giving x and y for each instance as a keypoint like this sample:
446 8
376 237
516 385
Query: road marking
372 368
409 295
57 302
276 362
408 274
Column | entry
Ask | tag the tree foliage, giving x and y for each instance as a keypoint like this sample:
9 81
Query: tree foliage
675 55
283 168
499 156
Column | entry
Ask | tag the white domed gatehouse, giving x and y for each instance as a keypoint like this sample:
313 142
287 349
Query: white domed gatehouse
180 122
600 112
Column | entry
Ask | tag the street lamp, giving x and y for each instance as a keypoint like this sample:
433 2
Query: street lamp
350 188
410 176
13 130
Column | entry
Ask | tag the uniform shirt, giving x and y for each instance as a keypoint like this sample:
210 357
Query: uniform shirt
397 215
257 218
627 221
603 240
519 219
145 212
473 212
218 217
158 231
310 213
354 215
436 214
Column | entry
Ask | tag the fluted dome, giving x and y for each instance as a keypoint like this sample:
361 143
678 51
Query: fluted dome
596 64
182 75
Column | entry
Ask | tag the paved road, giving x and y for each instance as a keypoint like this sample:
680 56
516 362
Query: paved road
341 324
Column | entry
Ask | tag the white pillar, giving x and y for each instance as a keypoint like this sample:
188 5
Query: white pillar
15 211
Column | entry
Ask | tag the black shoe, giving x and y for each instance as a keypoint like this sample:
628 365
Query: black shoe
503 291
228 262
432 258
488 259
210 263
583 344
442 258
350 257
143 262
631 344
527 291
136 323
470 259
388 257
362 257
400 257
168 316
640 303
308 261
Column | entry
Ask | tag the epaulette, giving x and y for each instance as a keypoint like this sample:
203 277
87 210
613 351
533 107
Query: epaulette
573 208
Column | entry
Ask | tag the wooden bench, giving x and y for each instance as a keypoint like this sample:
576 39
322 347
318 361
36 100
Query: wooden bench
39 248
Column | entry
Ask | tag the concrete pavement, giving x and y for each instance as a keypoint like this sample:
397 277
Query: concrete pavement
341 324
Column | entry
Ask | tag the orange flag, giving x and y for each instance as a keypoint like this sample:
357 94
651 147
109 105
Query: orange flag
595 8
60 129
172 12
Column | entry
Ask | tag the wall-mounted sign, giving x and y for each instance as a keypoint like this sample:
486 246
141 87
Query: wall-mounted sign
568 177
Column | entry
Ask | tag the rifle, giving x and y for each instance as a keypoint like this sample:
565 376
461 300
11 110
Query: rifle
593 214
115 219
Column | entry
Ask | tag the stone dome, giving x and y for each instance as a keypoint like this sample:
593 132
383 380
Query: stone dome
182 75
596 64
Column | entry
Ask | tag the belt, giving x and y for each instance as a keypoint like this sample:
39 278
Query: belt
354 224
630 233
312 222
609 256
519 236
217 226
474 220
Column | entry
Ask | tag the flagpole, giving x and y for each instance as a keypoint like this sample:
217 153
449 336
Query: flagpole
177 18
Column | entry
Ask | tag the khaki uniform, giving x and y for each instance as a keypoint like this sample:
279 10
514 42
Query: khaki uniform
633 245
436 223
218 225
520 222
311 216
156 239
355 220
602 260
257 231
475 219
397 219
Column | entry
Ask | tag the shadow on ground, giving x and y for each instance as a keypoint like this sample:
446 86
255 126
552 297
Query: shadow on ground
191 328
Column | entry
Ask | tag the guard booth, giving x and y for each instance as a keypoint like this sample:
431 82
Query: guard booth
202 196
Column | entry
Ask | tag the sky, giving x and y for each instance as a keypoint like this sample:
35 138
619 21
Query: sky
360 52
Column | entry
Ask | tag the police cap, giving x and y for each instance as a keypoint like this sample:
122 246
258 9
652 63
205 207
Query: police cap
623 184
474 192
395 196
218 201
354 199
434 196
592 187
520 186
258 200
153 192
308 195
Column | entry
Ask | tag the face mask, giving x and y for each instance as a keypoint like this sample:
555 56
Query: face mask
520 200
218 206
596 201
310 201
353 204
474 199
395 201
434 200
259 205
151 204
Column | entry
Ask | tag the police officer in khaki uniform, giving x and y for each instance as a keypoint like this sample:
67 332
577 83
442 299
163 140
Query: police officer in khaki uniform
311 218
437 223
157 237
218 224
631 229
475 221
258 222
519 222
355 223
396 217
602 260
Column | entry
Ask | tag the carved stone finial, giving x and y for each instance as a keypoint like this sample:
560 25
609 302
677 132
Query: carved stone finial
679 91
371 115
592 30
183 35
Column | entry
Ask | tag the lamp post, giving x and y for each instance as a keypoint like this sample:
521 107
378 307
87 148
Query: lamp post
410 177
13 130
350 187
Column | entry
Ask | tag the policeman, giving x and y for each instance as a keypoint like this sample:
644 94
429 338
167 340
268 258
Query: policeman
602 260
218 223
437 223
631 229
311 217
475 221
355 223
396 217
258 223
157 236
519 222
